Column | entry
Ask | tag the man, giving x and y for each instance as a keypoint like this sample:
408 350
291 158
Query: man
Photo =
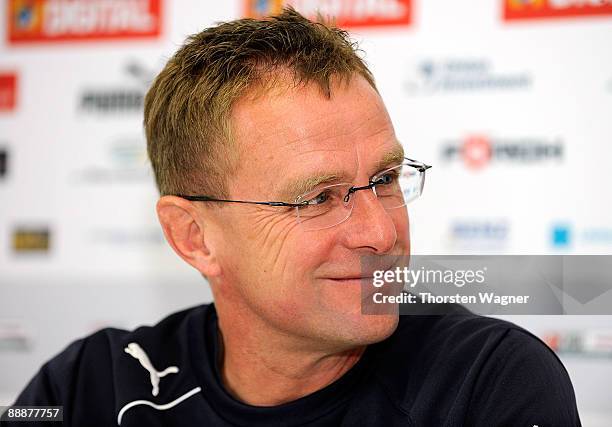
279 169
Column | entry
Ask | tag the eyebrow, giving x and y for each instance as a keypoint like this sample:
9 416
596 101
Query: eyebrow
392 158
298 187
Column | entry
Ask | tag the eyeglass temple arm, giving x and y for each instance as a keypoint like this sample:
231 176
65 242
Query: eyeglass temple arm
212 199
422 167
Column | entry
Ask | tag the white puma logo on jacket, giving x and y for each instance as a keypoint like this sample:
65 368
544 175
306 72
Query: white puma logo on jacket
136 351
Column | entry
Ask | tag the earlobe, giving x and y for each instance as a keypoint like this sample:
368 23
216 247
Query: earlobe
186 232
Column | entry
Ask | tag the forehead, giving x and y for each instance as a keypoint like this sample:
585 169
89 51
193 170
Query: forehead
295 130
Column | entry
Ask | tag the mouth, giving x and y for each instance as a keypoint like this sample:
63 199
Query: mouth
350 279
361 284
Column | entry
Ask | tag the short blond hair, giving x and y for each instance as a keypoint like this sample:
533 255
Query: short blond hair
187 108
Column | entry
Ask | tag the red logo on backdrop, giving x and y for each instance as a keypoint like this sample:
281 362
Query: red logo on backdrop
8 91
544 9
72 20
476 151
347 13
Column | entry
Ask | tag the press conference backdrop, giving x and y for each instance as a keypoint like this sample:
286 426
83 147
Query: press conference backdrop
510 100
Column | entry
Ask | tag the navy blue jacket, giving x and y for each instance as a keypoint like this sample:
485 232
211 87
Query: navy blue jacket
457 369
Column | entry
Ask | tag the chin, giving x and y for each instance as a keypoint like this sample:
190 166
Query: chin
370 329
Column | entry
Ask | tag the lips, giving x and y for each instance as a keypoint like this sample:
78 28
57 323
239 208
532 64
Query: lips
349 278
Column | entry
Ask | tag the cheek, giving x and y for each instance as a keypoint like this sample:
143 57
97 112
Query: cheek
300 256
270 257
297 295
402 227
275 276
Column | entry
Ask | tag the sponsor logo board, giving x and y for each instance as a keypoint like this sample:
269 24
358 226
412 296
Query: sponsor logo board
480 234
564 235
518 10
478 151
30 239
125 97
35 21
345 13
14 336
8 91
125 162
3 162
459 75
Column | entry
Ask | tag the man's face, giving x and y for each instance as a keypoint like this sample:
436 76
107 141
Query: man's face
306 283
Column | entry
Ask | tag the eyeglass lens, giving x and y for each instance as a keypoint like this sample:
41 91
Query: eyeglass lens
329 206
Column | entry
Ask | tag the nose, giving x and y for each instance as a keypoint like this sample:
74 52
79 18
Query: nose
371 226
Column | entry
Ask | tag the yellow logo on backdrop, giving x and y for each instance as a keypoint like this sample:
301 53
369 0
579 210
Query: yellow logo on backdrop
522 4
27 16
261 8
26 240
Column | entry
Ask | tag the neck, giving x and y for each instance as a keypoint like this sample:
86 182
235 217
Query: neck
263 367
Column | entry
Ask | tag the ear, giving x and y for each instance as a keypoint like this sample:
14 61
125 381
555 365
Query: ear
186 232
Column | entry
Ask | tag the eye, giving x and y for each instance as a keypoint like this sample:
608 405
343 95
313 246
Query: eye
387 178
319 199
